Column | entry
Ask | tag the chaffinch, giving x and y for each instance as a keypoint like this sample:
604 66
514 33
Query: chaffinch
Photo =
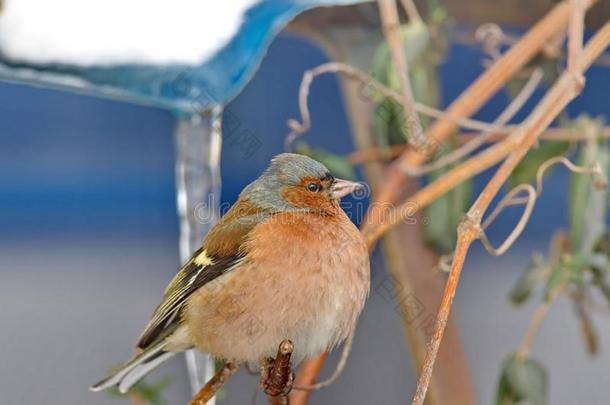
285 262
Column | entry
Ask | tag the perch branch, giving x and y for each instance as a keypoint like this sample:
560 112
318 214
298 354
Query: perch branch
278 378
557 98
308 373
214 384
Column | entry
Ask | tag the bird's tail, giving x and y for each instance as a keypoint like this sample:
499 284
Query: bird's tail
136 368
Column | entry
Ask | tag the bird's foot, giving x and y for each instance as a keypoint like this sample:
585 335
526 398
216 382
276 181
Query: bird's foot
277 377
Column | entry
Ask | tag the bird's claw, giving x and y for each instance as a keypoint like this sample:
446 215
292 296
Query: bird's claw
277 378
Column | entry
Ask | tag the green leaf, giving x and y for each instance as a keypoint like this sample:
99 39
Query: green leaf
603 244
445 213
526 170
522 381
424 53
588 202
338 165
599 264
528 280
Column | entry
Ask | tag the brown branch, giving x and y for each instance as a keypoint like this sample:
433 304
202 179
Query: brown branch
308 373
214 384
479 92
411 11
557 98
551 134
465 105
509 112
576 31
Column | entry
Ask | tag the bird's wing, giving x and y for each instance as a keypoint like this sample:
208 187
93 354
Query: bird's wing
222 252
199 270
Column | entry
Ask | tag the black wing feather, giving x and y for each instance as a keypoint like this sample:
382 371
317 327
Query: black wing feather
189 279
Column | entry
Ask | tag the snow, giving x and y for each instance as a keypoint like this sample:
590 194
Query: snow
105 32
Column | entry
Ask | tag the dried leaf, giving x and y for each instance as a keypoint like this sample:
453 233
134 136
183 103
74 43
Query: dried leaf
528 280
522 381
600 268
586 322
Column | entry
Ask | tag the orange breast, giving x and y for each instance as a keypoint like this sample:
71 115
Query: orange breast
304 277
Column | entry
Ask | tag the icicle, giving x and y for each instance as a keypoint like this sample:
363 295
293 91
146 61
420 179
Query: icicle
198 142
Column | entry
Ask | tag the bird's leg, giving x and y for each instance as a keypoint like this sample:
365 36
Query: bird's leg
277 377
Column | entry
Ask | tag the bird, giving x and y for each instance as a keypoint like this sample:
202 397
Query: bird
284 262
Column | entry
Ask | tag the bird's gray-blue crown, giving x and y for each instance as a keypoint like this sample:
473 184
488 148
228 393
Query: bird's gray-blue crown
286 169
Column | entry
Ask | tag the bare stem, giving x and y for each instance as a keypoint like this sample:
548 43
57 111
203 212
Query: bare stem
475 96
513 108
556 99
391 29
298 128
532 329
550 134
214 384
347 347
576 31
411 11
308 373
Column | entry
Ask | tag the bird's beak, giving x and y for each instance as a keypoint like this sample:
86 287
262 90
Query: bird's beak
341 188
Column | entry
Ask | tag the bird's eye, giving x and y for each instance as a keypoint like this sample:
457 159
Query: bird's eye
313 187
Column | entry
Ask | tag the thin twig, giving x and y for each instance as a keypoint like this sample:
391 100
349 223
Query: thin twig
536 321
308 374
464 106
518 229
298 128
513 108
474 97
411 11
557 98
347 347
529 201
214 384
551 134
391 29
532 329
